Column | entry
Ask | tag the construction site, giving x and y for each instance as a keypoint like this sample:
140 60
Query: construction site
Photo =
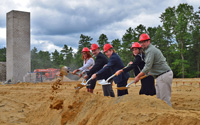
28 98
43 103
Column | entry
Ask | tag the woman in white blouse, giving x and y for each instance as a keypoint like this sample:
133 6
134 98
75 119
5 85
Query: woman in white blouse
88 62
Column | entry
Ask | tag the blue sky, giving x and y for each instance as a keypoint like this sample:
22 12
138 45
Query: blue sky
58 22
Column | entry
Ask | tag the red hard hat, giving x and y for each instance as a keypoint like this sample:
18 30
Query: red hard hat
135 45
85 49
144 37
94 46
106 47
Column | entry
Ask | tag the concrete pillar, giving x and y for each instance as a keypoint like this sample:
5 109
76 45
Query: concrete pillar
18 60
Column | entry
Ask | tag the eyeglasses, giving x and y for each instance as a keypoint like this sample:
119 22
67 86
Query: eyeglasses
141 42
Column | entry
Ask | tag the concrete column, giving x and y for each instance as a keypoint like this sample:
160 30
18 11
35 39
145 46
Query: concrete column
18 60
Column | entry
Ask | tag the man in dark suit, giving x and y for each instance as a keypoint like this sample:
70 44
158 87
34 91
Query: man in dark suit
115 63
100 61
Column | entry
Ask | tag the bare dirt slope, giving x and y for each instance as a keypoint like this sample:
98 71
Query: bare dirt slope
57 103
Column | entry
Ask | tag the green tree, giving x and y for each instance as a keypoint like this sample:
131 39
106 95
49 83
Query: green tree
177 21
103 39
68 55
139 30
44 60
160 41
84 42
126 53
34 59
195 46
116 43
3 55
57 59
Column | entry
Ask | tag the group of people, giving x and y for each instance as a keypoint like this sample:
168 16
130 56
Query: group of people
148 61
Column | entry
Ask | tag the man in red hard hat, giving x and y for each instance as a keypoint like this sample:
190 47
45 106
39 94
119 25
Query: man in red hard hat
100 61
156 65
114 64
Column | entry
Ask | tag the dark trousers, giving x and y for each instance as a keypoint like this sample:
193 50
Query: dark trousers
92 84
108 90
148 86
122 92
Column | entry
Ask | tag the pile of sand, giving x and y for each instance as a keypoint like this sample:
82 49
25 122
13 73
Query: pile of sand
38 104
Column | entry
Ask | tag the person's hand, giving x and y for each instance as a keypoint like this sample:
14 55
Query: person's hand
80 75
94 76
85 77
137 79
130 63
118 72
90 67
74 71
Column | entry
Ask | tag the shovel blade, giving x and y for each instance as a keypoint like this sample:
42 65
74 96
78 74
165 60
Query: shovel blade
79 86
122 88
103 82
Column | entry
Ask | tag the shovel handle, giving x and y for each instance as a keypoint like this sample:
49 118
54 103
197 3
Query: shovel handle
142 77
114 74
88 80
134 80
127 66
110 77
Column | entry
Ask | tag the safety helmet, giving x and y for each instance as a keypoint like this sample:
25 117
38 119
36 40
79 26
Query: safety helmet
106 47
144 37
94 46
135 45
85 49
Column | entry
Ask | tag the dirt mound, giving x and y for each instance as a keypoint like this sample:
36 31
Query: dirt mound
58 104
90 109
67 79
23 84
44 104
95 109
56 85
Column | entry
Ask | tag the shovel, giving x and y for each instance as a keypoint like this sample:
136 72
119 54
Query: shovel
105 82
65 70
84 83
127 86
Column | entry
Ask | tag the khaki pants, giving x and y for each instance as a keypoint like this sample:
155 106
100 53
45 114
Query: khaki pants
163 87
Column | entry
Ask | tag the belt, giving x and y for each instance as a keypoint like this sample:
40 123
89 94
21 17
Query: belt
162 73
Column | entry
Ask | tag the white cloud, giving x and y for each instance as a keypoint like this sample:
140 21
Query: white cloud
45 46
3 33
2 37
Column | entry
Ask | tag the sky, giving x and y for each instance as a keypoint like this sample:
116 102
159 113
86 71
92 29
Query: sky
58 22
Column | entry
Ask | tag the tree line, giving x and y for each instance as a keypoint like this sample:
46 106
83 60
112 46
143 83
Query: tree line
178 38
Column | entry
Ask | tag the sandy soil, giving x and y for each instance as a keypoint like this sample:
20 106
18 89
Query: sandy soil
57 102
